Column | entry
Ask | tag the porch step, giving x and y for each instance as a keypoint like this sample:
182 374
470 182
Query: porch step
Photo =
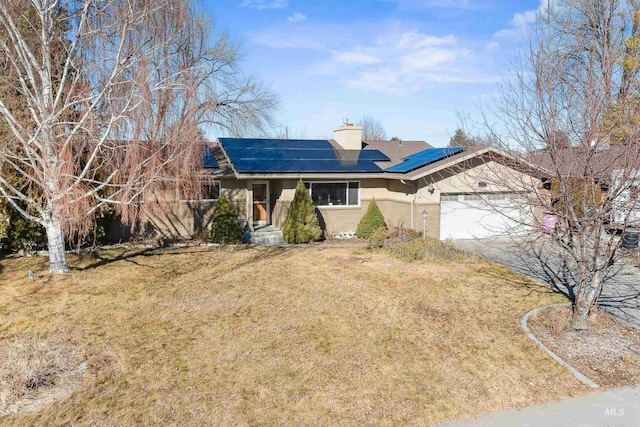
266 236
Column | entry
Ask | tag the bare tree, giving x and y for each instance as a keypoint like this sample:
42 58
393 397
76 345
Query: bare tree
574 91
461 139
372 129
115 102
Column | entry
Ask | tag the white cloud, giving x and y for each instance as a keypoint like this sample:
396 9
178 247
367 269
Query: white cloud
264 4
297 17
414 39
519 25
493 45
521 22
401 60
406 61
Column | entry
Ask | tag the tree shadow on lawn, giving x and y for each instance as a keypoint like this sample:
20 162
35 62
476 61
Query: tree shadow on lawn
555 272
125 255
620 294
544 272
131 255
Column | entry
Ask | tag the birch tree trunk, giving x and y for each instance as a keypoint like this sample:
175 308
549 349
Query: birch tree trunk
55 240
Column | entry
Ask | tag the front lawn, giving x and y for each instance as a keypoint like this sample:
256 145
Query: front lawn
297 336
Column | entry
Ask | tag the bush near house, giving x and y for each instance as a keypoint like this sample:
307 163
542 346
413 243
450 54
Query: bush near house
225 228
301 224
18 233
371 221
409 246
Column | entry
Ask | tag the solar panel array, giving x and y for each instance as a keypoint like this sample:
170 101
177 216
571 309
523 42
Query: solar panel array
292 156
423 158
209 159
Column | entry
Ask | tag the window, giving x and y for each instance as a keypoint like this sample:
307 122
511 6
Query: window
474 197
211 190
497 196
334 193
449 197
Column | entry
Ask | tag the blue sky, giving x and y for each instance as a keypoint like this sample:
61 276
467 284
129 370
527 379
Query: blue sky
412 64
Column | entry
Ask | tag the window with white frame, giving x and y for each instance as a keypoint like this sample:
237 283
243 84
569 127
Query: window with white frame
334 193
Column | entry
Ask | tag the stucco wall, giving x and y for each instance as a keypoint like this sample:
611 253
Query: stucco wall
169 220
282 194
173 219
494 176
236 192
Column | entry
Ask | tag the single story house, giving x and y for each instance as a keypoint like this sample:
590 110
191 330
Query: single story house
451 192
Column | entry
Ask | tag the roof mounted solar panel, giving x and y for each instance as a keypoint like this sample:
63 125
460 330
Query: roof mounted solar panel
295 166
423 158
209 159
249 143
308 154
293 156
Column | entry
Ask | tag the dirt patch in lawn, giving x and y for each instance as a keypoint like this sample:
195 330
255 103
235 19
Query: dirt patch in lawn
35 372
286 336
608 353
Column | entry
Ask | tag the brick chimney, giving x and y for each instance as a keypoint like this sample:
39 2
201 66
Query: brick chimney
348 136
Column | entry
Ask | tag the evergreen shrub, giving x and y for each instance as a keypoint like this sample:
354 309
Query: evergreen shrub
224 225
301 224
371 221
18 233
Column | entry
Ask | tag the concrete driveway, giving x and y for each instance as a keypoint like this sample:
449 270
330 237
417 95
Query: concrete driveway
541 260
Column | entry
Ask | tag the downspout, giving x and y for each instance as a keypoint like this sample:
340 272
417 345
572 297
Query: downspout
413 202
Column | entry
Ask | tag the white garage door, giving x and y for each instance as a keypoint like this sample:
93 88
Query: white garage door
469 216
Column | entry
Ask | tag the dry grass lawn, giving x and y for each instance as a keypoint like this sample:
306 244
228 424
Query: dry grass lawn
272 336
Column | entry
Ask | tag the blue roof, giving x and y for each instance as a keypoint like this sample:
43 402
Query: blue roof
296 155
423 158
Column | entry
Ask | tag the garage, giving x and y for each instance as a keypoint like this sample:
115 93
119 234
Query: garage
473 216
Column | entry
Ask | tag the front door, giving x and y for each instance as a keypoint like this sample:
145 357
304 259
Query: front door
260 191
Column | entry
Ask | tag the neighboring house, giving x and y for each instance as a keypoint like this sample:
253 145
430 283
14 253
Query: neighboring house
625 185
614 168
459 190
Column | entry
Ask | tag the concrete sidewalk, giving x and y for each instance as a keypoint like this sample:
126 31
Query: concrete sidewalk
618 407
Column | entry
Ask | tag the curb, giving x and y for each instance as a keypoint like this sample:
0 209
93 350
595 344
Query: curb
573 370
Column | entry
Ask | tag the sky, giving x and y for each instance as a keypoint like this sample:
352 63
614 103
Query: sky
414 65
